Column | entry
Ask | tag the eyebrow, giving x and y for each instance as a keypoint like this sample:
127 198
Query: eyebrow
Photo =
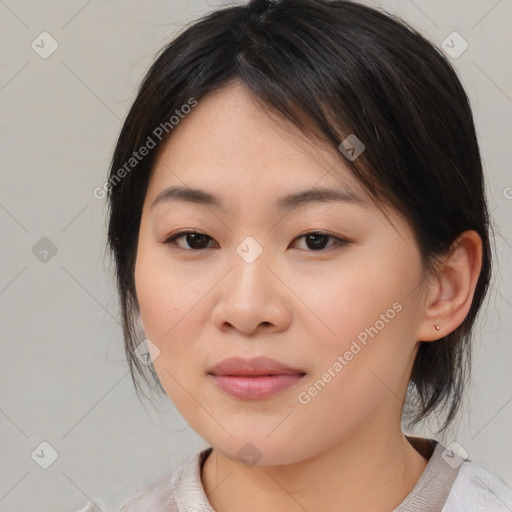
288 202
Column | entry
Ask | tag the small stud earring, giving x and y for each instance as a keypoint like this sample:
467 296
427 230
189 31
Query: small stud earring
436 327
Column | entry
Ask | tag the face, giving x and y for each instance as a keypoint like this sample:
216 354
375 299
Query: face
340 306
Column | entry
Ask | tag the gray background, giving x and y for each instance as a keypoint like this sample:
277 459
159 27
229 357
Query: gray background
63 375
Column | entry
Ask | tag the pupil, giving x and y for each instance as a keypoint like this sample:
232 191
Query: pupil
192 238
317 245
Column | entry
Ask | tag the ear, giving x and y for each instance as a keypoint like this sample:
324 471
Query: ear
450 293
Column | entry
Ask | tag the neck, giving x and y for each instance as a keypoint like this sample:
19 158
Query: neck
339 478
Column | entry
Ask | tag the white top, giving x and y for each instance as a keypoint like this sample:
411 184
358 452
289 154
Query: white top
449 483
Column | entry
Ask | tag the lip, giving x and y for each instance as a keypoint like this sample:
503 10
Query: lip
254 366
255 378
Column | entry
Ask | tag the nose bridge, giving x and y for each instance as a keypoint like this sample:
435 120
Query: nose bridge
250 296
250 260
252 299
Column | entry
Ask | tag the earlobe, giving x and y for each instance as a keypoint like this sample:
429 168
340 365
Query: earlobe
451 292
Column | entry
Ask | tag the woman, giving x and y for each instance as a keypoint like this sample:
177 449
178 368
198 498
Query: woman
299 225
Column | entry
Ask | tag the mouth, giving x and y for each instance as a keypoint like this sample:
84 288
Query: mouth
256 378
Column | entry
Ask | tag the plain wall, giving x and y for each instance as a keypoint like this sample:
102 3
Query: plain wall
63 375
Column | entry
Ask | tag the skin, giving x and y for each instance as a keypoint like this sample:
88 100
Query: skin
297 304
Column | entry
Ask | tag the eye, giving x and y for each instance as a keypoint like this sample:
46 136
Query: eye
195 239
315 240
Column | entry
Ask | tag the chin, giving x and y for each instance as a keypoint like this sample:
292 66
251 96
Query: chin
256 450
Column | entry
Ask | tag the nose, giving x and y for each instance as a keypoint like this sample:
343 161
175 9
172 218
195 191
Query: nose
252 298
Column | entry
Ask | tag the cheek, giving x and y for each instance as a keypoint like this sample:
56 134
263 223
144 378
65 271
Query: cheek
362 371
164 294
367 316
349 300
166 300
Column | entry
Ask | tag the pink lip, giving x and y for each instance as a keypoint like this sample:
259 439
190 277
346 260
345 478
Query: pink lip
254 378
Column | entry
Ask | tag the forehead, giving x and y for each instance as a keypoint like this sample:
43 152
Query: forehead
229 144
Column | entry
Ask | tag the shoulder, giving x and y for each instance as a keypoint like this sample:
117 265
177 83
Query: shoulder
477 490
170 492
155 496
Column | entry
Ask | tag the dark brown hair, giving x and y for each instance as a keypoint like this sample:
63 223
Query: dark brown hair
333 68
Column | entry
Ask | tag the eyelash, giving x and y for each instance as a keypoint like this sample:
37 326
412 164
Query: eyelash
339 242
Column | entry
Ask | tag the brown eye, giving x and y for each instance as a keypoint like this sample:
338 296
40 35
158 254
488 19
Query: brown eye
195 240
316 241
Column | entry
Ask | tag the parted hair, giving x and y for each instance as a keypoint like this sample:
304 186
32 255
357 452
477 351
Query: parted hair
333 68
